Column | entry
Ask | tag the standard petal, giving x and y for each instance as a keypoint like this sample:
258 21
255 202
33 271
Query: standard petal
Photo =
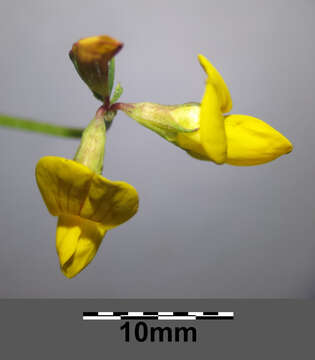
77 241
212 130
70 188
216 79
252 142
63 183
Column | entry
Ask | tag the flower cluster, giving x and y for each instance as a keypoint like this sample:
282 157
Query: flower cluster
87 204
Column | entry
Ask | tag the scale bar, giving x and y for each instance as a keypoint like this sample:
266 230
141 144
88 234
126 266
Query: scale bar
158 315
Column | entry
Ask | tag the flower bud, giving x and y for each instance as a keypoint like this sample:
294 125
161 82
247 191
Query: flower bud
90 57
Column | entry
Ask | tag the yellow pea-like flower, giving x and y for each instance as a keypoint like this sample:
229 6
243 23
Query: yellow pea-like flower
206 133
87 204
233 139
250 141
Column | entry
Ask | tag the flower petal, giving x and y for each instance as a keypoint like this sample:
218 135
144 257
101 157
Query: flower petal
212 130
77 241
70 188
110 202
252 142
216 79
63 183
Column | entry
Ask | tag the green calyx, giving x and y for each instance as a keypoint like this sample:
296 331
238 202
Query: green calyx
166 120
92 146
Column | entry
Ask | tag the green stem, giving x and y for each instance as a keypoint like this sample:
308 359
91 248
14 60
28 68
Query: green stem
44 128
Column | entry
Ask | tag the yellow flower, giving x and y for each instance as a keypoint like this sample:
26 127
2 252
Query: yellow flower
232 139
87 204
90 57
206 133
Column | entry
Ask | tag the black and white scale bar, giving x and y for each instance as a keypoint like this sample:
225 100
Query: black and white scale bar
159 315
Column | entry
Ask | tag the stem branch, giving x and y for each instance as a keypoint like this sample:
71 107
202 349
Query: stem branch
44 128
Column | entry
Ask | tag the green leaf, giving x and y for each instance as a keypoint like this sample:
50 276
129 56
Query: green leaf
111 74
117 93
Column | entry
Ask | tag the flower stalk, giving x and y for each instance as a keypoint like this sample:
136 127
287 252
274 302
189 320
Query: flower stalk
39 127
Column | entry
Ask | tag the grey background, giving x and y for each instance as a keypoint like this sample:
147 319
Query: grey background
202 230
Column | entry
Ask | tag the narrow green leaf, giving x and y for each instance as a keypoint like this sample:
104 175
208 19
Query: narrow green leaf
117 93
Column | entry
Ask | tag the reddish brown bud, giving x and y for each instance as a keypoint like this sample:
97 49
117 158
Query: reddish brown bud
90 57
